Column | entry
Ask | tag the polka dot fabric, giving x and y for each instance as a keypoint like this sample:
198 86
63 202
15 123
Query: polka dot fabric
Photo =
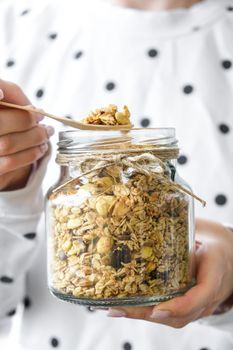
39 93
127 346
6 279
182 160
10 63
171 72
110 86
152 53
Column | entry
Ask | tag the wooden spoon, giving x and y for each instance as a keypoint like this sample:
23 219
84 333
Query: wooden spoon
74 123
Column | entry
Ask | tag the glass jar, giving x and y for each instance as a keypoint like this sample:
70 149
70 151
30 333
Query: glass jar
119 220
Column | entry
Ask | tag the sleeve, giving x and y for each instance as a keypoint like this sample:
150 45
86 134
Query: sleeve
8 13
223 322
20 212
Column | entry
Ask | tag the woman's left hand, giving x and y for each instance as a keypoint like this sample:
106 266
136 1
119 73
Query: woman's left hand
214 282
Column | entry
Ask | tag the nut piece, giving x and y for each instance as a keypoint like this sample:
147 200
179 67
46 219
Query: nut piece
121 190
121 208
104 204
104 183
121 118
104 245
146 252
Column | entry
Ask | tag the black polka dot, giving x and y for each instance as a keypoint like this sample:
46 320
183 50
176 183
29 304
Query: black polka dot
196 28
220 199
11 313
110 86
127 346
54 342
30 235
224 128
10 63
52 36
27 302
6 279
145 122
152 53
227 64
25 12
90 309
229 8
204 349
188 89
182 159
78 55
39 93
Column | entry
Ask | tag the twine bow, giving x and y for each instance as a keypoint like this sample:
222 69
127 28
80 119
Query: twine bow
144 163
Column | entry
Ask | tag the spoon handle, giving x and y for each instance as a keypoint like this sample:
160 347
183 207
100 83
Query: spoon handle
31 109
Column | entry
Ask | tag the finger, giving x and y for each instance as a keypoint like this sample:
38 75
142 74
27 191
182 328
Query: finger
204 293
16 121
21 159
164 313
16 142
13 93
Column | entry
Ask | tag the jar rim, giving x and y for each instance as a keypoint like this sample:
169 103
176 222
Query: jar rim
79 141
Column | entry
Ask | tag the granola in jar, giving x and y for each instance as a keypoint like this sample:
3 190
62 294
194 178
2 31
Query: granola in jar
120 220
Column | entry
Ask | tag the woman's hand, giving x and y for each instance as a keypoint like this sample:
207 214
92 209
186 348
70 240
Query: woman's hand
214 264
22 140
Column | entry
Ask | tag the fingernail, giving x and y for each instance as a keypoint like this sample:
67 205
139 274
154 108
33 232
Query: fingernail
39 117
1 94
160 314
44 148
50 130
116 313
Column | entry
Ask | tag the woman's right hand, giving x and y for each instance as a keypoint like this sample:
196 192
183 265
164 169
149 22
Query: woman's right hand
22 140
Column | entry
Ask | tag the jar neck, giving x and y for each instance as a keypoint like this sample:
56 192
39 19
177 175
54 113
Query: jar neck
138 148
79 142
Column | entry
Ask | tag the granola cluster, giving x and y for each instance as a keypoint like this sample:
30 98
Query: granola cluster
108 116
117 233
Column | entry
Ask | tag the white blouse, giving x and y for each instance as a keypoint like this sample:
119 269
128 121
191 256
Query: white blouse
173 69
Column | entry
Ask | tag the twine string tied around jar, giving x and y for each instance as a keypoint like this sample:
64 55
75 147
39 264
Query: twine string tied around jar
143 163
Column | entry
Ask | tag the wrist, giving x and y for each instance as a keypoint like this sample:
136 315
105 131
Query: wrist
219 239
225 306
228 303
18 179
